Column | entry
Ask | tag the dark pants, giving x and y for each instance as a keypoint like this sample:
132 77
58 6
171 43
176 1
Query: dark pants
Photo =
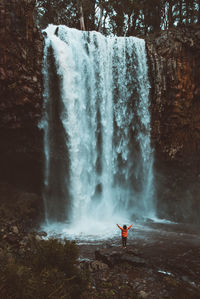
124 241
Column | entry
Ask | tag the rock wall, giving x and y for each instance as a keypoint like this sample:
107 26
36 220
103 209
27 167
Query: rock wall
174 63
21 48
175 72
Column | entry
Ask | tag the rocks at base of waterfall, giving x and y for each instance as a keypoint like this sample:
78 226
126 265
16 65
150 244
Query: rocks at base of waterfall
121 280
11 239
13 246
18 216
97 265
143 294
115 257
92 266
38 238
42 234
15 229
20 240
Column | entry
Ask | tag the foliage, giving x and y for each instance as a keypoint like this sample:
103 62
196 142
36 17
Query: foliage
54 254
48 272
56 12
24 210
125 17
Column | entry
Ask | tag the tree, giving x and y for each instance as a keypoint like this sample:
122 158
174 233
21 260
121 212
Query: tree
56 12
119 17
170 14
198 5
82 22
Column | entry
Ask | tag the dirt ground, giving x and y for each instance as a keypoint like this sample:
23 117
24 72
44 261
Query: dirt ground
160 261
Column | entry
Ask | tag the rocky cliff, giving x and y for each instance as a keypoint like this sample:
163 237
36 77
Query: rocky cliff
21 48
174 63
175 74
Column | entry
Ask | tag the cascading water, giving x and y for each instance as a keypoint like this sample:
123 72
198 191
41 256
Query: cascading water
99 161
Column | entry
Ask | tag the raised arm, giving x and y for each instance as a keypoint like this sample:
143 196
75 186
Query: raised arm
120 227
130 226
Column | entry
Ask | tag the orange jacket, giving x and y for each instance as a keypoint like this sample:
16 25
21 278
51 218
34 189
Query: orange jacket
124 231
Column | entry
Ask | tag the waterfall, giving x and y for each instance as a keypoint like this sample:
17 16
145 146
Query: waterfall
99 160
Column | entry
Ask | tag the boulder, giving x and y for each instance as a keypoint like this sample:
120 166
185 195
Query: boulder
97 265
113 258
38 238
15 230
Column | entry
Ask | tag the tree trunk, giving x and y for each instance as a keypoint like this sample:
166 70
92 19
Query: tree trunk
187 11
100 19
180 12
170 15
82 23
104 21
199 12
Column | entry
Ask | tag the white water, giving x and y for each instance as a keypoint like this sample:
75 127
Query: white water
104 123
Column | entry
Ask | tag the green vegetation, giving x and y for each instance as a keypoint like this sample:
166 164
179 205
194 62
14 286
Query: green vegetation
119 17
23 211
48 271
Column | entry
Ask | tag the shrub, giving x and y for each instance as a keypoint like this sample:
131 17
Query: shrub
49 272
55 254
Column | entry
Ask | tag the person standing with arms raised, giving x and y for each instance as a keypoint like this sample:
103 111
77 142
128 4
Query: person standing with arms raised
124 231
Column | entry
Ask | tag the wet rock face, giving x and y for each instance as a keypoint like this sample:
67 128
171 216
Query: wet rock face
174 59
21 48
174 64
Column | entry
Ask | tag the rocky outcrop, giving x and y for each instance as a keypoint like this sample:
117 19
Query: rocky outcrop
115 258
150 268
20 71
21 48
174 64
175 72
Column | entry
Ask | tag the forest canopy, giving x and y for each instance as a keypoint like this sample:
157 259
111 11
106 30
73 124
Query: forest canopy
122 18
